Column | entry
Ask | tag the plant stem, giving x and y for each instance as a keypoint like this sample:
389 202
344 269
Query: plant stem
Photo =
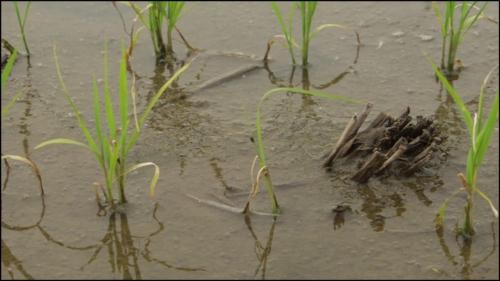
451 54
169 40
443 52
468 228
22 22
269 187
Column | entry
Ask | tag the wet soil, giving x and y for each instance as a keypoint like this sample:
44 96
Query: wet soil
382 229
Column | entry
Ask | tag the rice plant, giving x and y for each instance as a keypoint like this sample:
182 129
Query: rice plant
453 29
22 23
261 155
111 148
307 10
158 12
480 132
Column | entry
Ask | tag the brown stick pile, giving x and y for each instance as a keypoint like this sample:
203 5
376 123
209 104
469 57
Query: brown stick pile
389 142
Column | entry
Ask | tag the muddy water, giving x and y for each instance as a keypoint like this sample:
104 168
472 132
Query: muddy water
202 145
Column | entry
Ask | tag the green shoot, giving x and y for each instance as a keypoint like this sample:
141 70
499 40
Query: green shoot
111 148
480 132
174 9
287 29
260 143
158 12
453 30
22 23
307 10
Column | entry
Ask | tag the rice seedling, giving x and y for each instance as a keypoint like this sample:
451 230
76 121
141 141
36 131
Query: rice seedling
158 12
453 30
261 155
111 148
22 23
307 10
480 132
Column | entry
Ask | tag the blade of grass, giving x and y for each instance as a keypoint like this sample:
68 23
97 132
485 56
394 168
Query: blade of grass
110 117
484 137
61 141
286 32
458 100
481 96
81 122
22 21
8 69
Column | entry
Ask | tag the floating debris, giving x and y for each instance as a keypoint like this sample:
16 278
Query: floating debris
387 142
398 34
426 38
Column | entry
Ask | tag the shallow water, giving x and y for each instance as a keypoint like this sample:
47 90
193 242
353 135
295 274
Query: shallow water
202 145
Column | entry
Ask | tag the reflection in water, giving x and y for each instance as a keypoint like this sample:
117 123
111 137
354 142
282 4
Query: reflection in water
305 81
123 247
24 130
305 74
178 117
10 261
228 190
465 246
306 113
123 254
448 120
262 252
373 206
339 215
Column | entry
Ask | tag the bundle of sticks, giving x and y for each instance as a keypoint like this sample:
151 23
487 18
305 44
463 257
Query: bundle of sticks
387 142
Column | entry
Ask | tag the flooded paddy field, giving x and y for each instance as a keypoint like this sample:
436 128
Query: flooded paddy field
199 135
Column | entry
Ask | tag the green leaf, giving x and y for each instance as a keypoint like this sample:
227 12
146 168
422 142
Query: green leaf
484 137
123 92
437 12
81 122
108 105
286 31
62 141
481 97
97 115
469 21
458 100
8 68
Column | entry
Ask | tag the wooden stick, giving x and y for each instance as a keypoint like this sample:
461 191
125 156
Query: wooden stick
369 168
